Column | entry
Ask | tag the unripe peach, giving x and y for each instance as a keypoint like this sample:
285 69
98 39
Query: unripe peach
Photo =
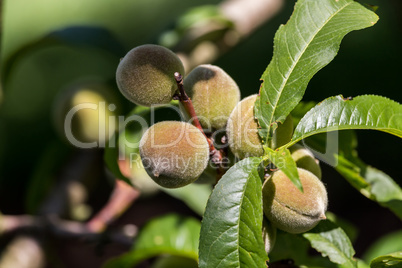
268 235
174 153
305 159
214 95
243 137
288 208
145 75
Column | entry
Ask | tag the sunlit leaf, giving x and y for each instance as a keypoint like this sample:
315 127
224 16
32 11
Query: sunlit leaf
307 43
392 260
332 242
388 243
362 112
283 160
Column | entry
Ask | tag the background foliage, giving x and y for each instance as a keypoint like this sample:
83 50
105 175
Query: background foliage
47 45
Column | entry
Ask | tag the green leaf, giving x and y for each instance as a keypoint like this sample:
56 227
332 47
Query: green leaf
231 230
300 110
169 261
307 43
391 242
362 112
170 234
296 248
372 183
349 228
194 195
283 160
290 246
393 260
332 242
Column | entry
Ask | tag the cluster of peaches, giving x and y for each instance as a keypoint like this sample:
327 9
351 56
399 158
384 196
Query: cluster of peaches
177 153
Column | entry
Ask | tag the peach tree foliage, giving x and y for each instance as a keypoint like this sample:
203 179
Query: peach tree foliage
232 224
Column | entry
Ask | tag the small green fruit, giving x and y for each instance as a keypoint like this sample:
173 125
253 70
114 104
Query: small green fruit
174 153
305 159
243 137
268 235
145 75
214 95
288 208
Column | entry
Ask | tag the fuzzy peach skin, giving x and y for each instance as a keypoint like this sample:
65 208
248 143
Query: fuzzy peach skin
174 153
214 95
145 75
305 159
243 137
288 208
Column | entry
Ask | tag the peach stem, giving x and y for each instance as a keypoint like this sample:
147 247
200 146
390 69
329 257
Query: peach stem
216 156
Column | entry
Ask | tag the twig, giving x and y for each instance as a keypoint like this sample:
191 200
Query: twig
202 45
58 227
215 155
188 104
122 197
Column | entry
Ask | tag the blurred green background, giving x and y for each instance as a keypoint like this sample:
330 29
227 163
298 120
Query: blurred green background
48 46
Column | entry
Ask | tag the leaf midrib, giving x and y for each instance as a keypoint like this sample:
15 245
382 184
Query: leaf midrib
301 55
335 128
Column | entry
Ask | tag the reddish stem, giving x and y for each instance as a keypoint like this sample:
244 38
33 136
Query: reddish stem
122 197
216 156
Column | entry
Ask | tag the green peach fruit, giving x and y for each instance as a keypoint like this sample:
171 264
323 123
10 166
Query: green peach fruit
214 95
174 153
243 137
288 208
305 159
145 75
268 235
